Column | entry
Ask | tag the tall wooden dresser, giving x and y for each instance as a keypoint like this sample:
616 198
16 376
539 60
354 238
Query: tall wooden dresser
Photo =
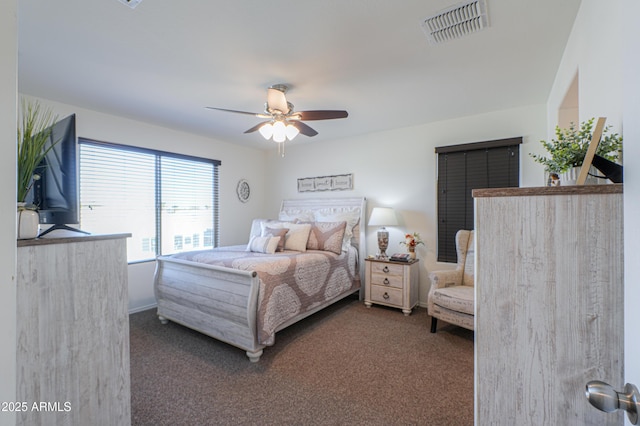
73 331
549 303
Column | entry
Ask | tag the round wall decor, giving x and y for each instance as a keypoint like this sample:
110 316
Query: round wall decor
243 190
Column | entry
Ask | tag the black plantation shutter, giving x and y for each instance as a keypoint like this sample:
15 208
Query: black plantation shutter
451 202
477 177
463 168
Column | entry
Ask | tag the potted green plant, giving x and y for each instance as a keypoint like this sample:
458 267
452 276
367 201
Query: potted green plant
34 131
570 147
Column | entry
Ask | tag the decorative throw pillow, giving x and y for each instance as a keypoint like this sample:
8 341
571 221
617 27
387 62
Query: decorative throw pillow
351 218
327 236
267 231
263 244
297 236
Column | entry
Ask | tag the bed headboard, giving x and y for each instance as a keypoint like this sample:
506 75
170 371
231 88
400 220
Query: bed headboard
355 205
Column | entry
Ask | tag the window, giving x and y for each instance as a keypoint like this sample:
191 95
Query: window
463 168
158 197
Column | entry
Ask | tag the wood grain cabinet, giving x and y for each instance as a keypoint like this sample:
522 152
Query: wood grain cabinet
549 303
73 331
392 284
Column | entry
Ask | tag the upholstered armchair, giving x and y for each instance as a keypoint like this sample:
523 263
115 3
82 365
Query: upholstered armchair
451 297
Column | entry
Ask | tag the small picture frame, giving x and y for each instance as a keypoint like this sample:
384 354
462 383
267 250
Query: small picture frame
342 182
306 185
323 183
591 151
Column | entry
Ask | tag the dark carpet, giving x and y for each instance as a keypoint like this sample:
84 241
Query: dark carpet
347 364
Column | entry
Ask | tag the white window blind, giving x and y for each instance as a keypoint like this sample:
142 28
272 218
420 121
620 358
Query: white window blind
168 202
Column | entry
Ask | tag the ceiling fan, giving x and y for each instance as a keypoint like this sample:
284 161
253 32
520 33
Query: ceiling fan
282 122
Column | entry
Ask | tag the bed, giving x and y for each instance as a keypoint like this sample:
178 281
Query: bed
243 295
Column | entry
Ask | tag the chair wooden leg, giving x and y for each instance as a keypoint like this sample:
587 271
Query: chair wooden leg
434 323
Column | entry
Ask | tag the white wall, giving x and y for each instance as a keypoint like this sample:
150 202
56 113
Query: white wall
604 46
398 169
594 52
8 120
631 123
237 162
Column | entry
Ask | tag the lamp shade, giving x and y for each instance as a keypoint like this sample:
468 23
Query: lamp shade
279 131
266 131
291 131
383 216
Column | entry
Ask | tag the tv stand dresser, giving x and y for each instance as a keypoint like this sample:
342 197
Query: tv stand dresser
549 303
73 331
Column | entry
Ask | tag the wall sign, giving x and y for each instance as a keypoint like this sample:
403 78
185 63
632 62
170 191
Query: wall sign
326 183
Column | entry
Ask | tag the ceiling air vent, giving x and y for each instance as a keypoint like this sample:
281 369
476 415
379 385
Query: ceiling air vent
131 3
456 21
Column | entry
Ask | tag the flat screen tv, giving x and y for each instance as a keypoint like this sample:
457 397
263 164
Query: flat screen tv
609 169
55 193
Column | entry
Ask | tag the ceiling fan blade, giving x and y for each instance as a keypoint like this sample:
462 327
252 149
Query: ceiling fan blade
321 114
304 129
256 127
255 114
276 101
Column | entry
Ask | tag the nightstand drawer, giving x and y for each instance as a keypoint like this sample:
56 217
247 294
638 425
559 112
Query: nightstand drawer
387 275
387 268
390 296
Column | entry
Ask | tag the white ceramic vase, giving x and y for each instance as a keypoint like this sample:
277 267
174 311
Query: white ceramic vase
28 223
571 176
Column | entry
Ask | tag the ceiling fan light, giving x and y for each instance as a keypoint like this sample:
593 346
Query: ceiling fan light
266 131
291 131
279 131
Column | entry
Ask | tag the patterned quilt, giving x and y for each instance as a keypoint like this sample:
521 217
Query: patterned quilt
291 283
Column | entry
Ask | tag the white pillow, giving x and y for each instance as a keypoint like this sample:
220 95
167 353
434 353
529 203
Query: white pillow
351 218
256 228
297 237
266 245
257 225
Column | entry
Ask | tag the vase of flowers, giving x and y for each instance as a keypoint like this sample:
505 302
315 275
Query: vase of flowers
412 241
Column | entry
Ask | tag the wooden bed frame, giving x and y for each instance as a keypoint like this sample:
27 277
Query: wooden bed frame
222 302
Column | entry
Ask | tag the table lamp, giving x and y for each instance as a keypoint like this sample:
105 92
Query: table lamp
383 216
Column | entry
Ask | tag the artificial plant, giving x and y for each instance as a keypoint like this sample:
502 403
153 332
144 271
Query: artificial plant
34 131
570 147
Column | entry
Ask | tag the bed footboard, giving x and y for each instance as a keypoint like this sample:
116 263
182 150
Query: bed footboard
216 301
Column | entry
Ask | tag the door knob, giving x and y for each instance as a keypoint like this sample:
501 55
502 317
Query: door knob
602 396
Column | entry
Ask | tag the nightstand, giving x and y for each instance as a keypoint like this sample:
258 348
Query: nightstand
394 284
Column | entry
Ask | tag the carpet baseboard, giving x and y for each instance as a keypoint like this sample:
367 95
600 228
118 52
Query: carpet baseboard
142 308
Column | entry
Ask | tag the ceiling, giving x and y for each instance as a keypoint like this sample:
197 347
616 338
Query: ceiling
165 61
